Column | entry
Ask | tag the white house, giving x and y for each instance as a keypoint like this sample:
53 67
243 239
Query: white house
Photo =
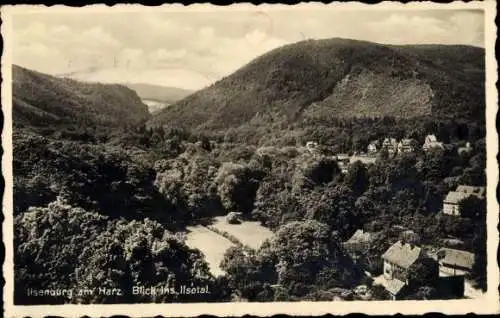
358 244
391 145
406 145
431 142
311 146
397 261
451 204
373 147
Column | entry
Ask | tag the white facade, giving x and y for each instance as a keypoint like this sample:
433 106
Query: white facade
431 142
451 209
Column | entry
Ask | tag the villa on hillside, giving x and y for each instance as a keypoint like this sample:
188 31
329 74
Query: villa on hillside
373 147
312 146
407 145
365 159
343 162
454 262
431 142
398 259
451 204
358 244
391 145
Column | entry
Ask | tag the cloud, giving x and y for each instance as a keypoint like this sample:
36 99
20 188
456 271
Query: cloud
59 48
162 55
196 48
96 36
402 28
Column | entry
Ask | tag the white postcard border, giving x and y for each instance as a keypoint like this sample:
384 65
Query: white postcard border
489 304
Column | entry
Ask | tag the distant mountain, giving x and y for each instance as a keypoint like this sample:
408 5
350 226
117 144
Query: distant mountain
159 93
155 106
156 97
323 80
42 100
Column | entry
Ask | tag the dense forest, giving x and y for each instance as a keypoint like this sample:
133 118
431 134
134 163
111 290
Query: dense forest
41 100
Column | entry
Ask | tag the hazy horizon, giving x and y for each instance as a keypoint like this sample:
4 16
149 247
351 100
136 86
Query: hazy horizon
191 50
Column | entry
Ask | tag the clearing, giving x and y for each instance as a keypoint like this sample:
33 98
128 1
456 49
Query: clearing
211 244
214 245
250 233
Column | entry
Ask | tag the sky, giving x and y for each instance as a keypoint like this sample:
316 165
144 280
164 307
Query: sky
191 50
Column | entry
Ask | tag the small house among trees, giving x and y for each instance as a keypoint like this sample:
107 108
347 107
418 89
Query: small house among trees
451 204
454 262
312 146
407 145
358 244
390 145
431 142
401 264
478 192
373 147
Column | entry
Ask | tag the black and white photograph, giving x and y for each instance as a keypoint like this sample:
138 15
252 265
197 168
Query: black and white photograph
250 155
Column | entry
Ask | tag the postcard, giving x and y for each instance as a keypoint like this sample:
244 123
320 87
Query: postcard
250 159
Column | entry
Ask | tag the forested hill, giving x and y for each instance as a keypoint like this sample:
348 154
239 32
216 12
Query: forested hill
41 100
324 80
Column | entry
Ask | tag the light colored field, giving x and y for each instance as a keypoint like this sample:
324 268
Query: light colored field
249 233
211 244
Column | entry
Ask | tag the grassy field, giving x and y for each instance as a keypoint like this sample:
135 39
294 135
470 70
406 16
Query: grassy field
214 245
248 232
211 244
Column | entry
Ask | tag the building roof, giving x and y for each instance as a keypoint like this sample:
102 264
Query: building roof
406 141
457 257
434 144
392 141
394 286
431 138
403 255
364 159
360 236
341 156
477 191
455 197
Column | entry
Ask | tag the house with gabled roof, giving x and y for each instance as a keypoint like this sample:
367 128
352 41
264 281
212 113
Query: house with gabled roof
407 145
358 244
397 261
312 146
453 262
451 204
390 145
431 142
374 146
